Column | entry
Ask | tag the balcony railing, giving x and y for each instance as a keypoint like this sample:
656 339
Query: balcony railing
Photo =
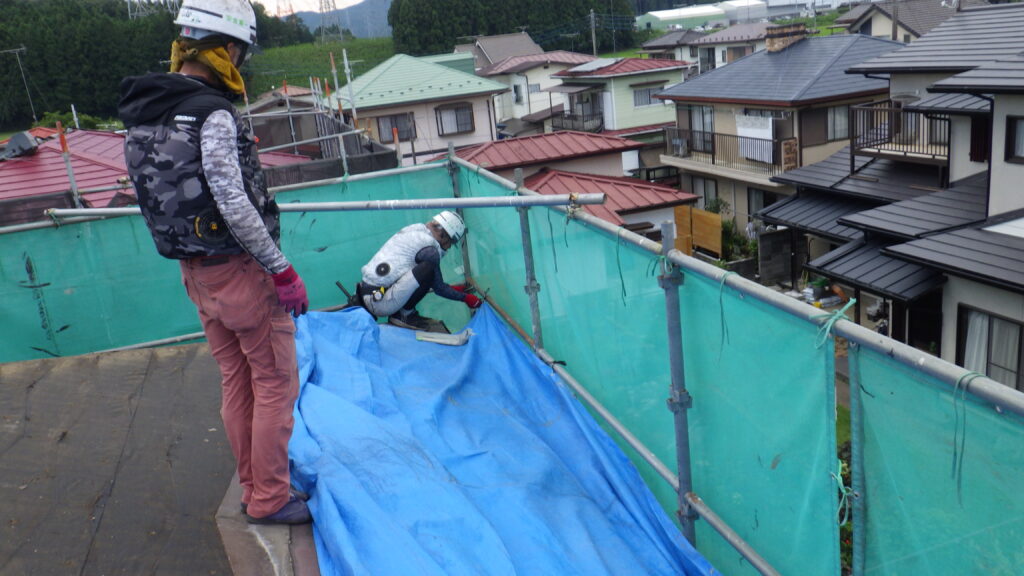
756 155
885 130
578 122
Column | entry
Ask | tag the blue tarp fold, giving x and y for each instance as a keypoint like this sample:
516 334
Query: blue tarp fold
425 459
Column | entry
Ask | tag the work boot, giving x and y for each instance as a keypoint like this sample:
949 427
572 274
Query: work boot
411 320
291 492
295 511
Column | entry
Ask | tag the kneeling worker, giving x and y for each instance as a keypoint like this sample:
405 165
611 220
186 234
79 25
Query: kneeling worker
408 266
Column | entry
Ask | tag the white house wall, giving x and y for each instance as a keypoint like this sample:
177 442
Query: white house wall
960 165
428 142
979 296
912 85
655 217
881 27
721 50
505 104
1007 192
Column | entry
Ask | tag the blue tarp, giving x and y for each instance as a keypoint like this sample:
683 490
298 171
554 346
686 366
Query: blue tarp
425 459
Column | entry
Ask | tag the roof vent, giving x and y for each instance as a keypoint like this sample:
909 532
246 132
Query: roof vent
21 144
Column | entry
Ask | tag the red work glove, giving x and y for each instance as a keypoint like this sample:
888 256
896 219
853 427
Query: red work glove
472 301
459 287
291 292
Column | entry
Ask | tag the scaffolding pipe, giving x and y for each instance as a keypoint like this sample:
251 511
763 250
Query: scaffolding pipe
309 141
453 175
709 516
532 287
299 112
401 170
857 464
679 401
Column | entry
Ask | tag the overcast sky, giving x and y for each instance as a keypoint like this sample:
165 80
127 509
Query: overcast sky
304 5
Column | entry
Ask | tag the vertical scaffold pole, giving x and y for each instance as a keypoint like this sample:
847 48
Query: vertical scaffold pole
453 173
857 461
679 401
532 287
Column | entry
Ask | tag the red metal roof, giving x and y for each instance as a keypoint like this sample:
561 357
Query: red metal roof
528 61
39 132
622 195
541 148
624 66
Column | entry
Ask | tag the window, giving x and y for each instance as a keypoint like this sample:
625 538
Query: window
534 88
645 96
981 138
838 123
706 188
991 345
765 113
938 130
406 130
702 123
1015 139
758 199
455 119
517 93
693 52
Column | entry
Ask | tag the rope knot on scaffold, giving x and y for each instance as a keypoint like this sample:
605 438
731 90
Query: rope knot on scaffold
828 321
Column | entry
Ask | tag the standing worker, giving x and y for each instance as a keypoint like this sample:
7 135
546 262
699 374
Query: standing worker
408 266
195 168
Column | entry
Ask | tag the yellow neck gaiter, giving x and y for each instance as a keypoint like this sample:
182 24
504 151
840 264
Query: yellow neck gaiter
215 58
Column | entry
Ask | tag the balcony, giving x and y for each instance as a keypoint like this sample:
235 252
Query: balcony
885 130
578 122
750 155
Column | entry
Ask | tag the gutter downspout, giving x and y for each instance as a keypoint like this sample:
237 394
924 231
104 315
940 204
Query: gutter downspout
991 134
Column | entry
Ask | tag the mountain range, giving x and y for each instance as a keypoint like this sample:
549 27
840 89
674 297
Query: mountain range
368 19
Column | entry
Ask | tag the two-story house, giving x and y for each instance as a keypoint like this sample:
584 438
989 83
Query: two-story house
903 20
489 50
676 45
943 242
724 46
774 110
527 77
426 105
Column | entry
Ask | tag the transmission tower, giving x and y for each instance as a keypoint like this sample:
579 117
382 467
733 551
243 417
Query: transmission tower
141 8
328 19
284 8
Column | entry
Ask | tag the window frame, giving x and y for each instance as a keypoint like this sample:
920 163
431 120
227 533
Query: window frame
961 341
650 91
385 136
830 126
455 107
1013 123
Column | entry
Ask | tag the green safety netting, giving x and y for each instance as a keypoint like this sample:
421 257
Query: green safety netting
942 474
763 440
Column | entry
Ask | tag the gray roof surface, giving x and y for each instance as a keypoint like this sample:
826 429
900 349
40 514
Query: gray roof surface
961 204
970 38
951 104
817 213
809 70
673 39
918 16
864 264
999 77
737 33
990 257
497 48
876 179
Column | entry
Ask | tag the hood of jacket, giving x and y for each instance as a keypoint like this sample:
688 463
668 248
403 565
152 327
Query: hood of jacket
150 97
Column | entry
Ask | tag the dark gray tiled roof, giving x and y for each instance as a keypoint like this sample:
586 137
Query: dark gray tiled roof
863 264
961 204
969 39
918 16
807 71
737 33
673 39
951 104
876 179
1000 77
989 257
816 213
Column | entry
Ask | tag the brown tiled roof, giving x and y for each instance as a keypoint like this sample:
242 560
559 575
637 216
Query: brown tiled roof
542 148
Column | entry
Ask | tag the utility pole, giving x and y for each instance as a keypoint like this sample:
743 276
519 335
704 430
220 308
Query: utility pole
17 54
593 30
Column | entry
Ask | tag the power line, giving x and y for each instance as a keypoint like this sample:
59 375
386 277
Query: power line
17 54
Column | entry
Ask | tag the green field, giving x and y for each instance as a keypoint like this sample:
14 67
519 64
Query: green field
296 64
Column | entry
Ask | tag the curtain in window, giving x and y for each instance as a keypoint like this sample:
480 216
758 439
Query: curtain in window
1018 141
976 346
449 121
1005 350
755 135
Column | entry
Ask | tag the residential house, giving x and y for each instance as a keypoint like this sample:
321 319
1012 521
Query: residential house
427 105
489 50
675 45
743 11
769 112
565 150
948 257
903 20
615 96
724 46
527 77
703 16
634 204
94 175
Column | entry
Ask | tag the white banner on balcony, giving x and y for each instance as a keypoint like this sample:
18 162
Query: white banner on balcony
755 135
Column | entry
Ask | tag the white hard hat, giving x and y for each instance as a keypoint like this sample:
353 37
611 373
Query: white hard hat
234 18
452 224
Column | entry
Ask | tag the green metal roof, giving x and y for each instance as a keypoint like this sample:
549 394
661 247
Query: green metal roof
404 79
462 61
